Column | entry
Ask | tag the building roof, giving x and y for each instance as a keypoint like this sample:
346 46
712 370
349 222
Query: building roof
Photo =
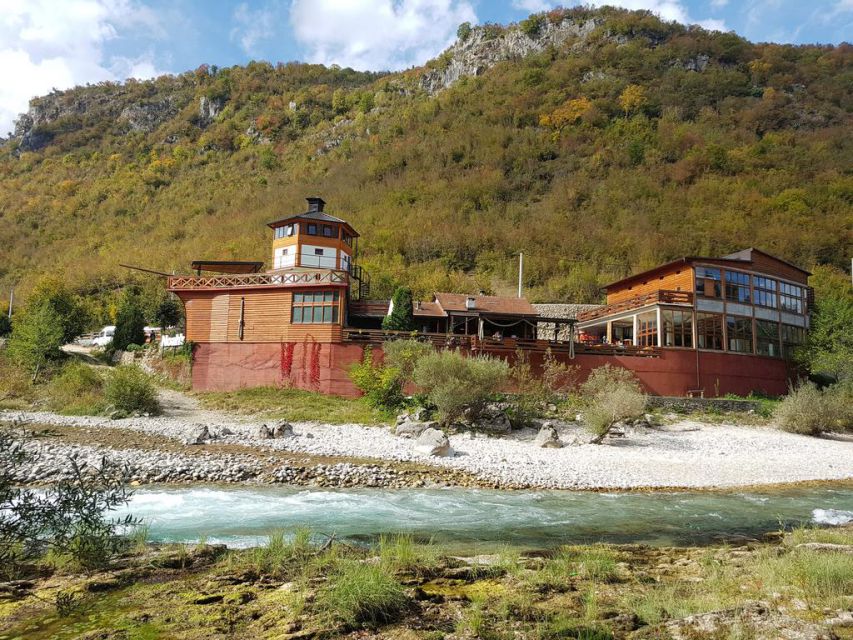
428 310
227 266
744 255
497 305
315 213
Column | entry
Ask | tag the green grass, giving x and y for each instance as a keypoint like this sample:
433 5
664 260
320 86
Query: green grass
295 405
597 564
359 593
401 554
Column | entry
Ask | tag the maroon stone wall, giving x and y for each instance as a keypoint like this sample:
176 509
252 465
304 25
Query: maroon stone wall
325 367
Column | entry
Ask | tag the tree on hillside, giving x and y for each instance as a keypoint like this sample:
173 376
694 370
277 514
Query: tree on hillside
130 322
37 336
169 313
402 316
829 350
55 294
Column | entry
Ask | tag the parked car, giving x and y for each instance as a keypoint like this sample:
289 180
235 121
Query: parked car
104 336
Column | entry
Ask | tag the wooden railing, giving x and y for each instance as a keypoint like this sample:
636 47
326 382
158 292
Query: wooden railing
495 346
251 280
665 296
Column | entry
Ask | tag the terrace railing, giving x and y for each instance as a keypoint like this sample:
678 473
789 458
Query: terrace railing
254 280
493 345
664 296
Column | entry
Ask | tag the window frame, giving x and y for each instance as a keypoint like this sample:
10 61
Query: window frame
705 277
793 292
647 330
309 227
764 288
745 337
718 336
738 282
765 338
683 329
323 306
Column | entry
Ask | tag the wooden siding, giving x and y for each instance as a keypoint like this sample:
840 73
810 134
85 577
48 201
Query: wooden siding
267 313
680 278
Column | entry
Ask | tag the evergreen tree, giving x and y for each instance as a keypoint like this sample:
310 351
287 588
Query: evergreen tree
168 312
130 323
402 316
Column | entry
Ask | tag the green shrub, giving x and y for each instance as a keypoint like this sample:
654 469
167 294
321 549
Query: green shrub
16 385
130 323
532 25
811 411
532 392
5 325
130 390
404 355
456 383
77 390
381 385
362 594
463 31
611 394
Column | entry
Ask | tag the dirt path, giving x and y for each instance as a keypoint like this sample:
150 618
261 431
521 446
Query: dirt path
176 404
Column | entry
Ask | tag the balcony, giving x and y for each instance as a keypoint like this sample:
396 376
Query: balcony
258 280
662 296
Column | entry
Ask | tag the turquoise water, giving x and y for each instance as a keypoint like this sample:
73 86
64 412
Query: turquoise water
474 518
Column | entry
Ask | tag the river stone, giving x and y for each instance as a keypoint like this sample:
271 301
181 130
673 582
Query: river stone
198 434
413 429
547 438
282 430
264 432
494 422
433 442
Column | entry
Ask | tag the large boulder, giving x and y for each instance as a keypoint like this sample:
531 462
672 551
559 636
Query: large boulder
264 432
494 421
412 429
433 442
282 430
548 438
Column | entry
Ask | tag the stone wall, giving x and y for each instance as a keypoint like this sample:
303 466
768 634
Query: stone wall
554 310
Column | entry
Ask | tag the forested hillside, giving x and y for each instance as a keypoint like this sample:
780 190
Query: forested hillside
599 142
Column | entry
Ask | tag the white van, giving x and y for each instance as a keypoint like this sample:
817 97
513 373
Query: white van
104 336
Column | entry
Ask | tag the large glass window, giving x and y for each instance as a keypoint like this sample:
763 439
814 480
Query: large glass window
708 282
767 338
347 238
709 331
285 231
311 229
791 298
792 337
737 287
329 231
739 334
647 330
764 291
677 328
315 307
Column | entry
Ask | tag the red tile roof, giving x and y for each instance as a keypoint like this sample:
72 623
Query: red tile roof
500 305
429 310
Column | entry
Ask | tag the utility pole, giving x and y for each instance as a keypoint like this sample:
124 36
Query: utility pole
520 271
11 300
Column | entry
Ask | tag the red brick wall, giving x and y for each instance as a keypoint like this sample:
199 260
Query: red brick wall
325 368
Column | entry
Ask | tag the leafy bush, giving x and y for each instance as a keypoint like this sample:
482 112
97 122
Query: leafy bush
15 383
464 31
811 411
455 383
612 394
381 385
362 594
532 391
532 25
130 390
67 519
5 325
78 389
404 355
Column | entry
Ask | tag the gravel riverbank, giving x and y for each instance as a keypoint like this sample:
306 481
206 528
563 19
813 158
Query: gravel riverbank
684 454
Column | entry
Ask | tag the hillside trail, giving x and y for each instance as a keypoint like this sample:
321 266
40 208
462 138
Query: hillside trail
177 404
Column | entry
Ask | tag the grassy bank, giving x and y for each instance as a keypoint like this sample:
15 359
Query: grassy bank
299 587
293 404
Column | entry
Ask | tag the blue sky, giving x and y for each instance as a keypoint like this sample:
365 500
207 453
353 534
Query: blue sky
47 44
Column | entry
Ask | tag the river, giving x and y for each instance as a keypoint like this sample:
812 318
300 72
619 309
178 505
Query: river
477 519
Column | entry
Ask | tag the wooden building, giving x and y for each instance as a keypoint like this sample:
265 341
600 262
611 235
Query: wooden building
696 325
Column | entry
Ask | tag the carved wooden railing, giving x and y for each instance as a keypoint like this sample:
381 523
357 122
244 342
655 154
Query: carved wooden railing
665 296
249 280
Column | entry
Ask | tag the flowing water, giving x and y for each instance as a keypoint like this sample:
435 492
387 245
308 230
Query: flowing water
476 519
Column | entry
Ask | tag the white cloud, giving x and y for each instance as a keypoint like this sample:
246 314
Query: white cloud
533 6
252 26
377 34
46 45
719 4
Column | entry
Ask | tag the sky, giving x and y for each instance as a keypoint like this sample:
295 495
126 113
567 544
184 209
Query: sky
47 44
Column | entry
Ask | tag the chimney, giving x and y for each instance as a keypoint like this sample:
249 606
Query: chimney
470 303
315 204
